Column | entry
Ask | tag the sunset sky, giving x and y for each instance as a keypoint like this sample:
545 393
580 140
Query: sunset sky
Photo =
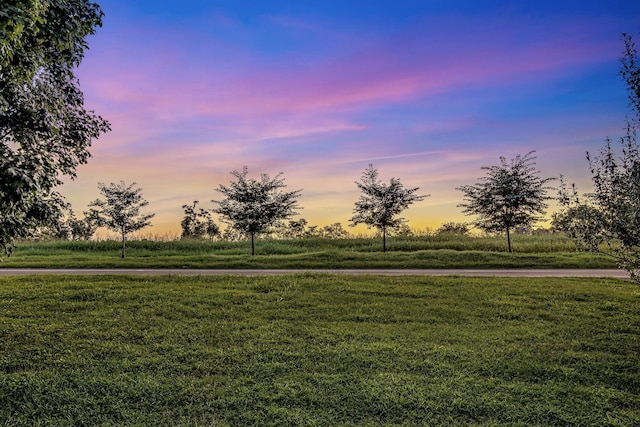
427 91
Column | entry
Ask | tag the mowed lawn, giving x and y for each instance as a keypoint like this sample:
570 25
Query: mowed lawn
318 349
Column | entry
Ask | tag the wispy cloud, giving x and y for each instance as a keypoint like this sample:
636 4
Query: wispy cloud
429 101
396 156
169 84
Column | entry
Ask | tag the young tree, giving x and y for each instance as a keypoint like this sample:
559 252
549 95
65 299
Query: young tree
402 230
190 224
334 231
511 195
197 223
579 219
83 228
380 204
211 229
607 220
74 228
119 211
252 206
453 229
294 229
45 130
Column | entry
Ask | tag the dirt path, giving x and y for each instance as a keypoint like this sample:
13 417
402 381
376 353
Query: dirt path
454 272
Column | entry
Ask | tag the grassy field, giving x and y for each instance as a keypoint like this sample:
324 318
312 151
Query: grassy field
417 252
320 350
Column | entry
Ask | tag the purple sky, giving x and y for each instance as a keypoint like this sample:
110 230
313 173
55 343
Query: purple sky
427 91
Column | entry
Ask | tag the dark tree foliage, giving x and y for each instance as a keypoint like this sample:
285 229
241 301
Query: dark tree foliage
119 210
630 71
402 230
73 228
295 229
252 206
45 130
333 231
580 220
299 229
197 223
511 195
607 220
616 191
380 204
83 228
453 229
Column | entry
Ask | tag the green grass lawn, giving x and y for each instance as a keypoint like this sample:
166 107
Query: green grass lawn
320 350
415 252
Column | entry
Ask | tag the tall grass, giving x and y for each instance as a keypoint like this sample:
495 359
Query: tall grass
318 350
413 252
521 244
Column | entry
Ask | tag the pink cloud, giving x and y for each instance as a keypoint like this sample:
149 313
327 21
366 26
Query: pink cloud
194 115
172 84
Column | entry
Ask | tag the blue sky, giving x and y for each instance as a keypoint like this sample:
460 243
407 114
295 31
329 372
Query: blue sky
427 91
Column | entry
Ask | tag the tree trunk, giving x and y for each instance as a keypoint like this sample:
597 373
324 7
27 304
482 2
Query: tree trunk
253 247
509 240
123 243
384 239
